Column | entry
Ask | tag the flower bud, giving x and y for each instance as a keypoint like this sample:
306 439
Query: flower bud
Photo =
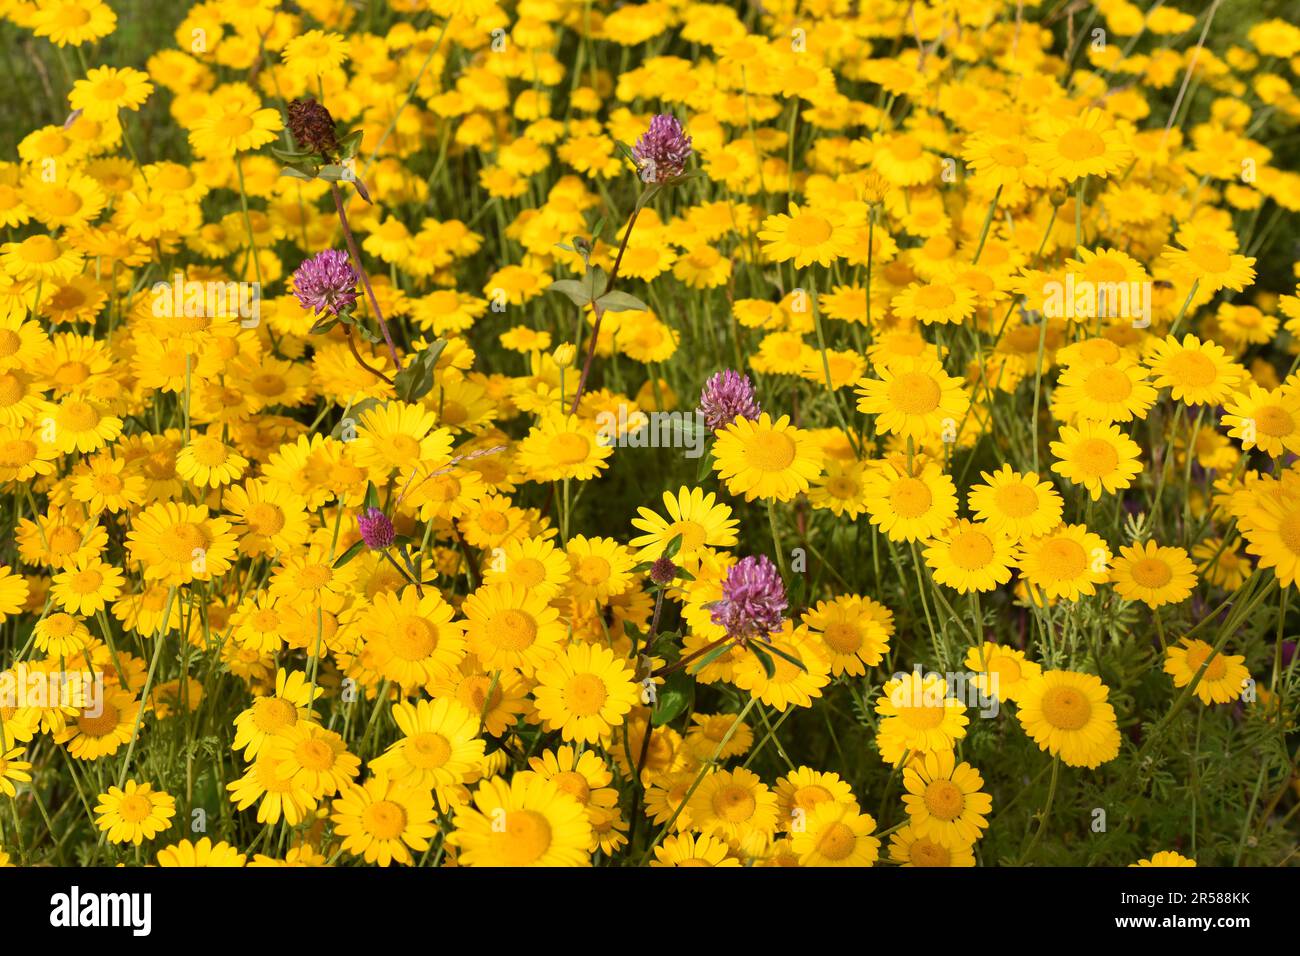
312 126
565 355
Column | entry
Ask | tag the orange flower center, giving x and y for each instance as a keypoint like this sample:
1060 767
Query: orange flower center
1078 145
585 695
944 799
771 451
910 497
1151 573
971 550
734 803
384 819
514 630
915 393
1066 708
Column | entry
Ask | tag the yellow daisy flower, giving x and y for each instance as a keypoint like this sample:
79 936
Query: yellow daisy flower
1265 419
690 850
1199 373
1066 563
1153 574
944 800
805 235
134 814
1165 858
204 853
1098 456
968 556
1001 671
383 820
906 848
1017 505
1066 714
788 684
525 821
914 399
836 834
767 459
910 507
507 626
1225 677
701 522
585 692
854 632
917 709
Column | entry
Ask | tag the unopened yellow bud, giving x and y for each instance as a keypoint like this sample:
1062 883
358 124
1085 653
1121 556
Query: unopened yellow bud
565 355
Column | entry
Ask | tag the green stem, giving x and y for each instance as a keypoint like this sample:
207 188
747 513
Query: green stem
776 537
1047 811
988 221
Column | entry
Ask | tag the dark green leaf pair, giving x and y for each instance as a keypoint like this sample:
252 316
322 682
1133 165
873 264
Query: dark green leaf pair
416 379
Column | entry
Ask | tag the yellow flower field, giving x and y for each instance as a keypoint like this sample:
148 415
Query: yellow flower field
575 433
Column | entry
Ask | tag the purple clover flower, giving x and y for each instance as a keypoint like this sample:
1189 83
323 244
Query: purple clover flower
753 600
726 395
662 150
326 282
376 530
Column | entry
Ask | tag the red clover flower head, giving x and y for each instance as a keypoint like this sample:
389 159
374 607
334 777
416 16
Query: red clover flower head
753 600
326 283
662 150
376 530
726 395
